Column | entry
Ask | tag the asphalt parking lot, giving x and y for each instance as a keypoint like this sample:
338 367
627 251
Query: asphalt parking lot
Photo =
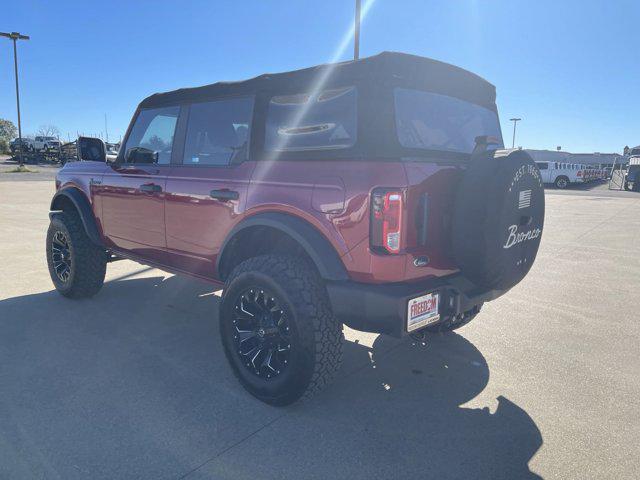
134 384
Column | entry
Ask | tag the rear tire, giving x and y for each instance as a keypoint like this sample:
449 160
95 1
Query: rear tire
277 328
562 182
76 265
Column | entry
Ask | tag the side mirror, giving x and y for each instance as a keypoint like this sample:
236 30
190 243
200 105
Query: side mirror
141 155
91 149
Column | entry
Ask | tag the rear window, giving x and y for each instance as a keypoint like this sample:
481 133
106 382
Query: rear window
432 121
312 121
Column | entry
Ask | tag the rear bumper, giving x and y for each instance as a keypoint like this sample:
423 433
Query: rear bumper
382 308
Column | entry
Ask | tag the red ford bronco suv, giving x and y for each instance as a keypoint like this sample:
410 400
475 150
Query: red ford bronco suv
372 193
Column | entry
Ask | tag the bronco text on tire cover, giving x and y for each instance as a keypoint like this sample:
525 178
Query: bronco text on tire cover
498 218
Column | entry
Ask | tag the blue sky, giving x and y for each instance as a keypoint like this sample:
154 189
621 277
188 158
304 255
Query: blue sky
569 68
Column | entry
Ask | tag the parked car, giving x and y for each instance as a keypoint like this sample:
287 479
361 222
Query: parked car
27 145
53 146
632 178
563 174
112 151
373 193
46 144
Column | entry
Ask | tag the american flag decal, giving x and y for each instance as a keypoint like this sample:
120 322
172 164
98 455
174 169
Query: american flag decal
524 199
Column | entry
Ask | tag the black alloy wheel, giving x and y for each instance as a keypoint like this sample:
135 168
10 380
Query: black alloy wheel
77 266
61 256
279 334
261 333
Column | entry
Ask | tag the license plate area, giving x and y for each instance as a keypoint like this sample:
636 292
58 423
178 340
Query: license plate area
423 311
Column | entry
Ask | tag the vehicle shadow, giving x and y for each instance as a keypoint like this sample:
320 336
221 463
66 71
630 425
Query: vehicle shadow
134 384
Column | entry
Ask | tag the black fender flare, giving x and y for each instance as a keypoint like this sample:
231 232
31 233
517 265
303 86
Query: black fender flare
316 245
83 208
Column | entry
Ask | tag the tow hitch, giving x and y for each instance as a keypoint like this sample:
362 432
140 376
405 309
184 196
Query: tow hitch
420 337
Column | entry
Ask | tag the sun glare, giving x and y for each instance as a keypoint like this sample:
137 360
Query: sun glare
320 82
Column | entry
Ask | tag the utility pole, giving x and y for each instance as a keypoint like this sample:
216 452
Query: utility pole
515 121
106 132
15 36
356 33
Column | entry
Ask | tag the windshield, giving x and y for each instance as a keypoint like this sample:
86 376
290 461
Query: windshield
432 121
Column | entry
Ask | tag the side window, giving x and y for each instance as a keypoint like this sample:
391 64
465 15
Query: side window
218 132
319 121
542 165
151 138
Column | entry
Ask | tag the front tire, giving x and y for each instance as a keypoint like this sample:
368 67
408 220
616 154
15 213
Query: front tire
277 328
77 266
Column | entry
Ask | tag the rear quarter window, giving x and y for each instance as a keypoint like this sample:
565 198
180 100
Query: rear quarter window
431 121
312 121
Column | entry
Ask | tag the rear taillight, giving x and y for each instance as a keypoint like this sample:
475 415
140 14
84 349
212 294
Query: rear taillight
386 220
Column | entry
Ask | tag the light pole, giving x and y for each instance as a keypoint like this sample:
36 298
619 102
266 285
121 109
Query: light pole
515 121
15 36
356 33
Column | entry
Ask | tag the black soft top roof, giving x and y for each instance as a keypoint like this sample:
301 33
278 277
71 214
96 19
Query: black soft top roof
386 68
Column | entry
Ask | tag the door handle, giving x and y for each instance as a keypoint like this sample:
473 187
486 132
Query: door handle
150 187
224 195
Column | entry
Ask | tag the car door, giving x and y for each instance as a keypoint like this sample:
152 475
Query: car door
133 187
207 188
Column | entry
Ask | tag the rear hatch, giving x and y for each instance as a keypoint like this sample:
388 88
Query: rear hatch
439 133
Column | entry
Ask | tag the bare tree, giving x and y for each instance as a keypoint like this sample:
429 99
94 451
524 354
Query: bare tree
48 131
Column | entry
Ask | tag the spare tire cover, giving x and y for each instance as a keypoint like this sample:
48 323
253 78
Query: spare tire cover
498 218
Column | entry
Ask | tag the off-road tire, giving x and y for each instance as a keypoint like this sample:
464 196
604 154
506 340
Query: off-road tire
316 335
497 219
88 261
562 182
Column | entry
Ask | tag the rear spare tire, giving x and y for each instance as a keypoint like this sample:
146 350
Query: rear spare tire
498 218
